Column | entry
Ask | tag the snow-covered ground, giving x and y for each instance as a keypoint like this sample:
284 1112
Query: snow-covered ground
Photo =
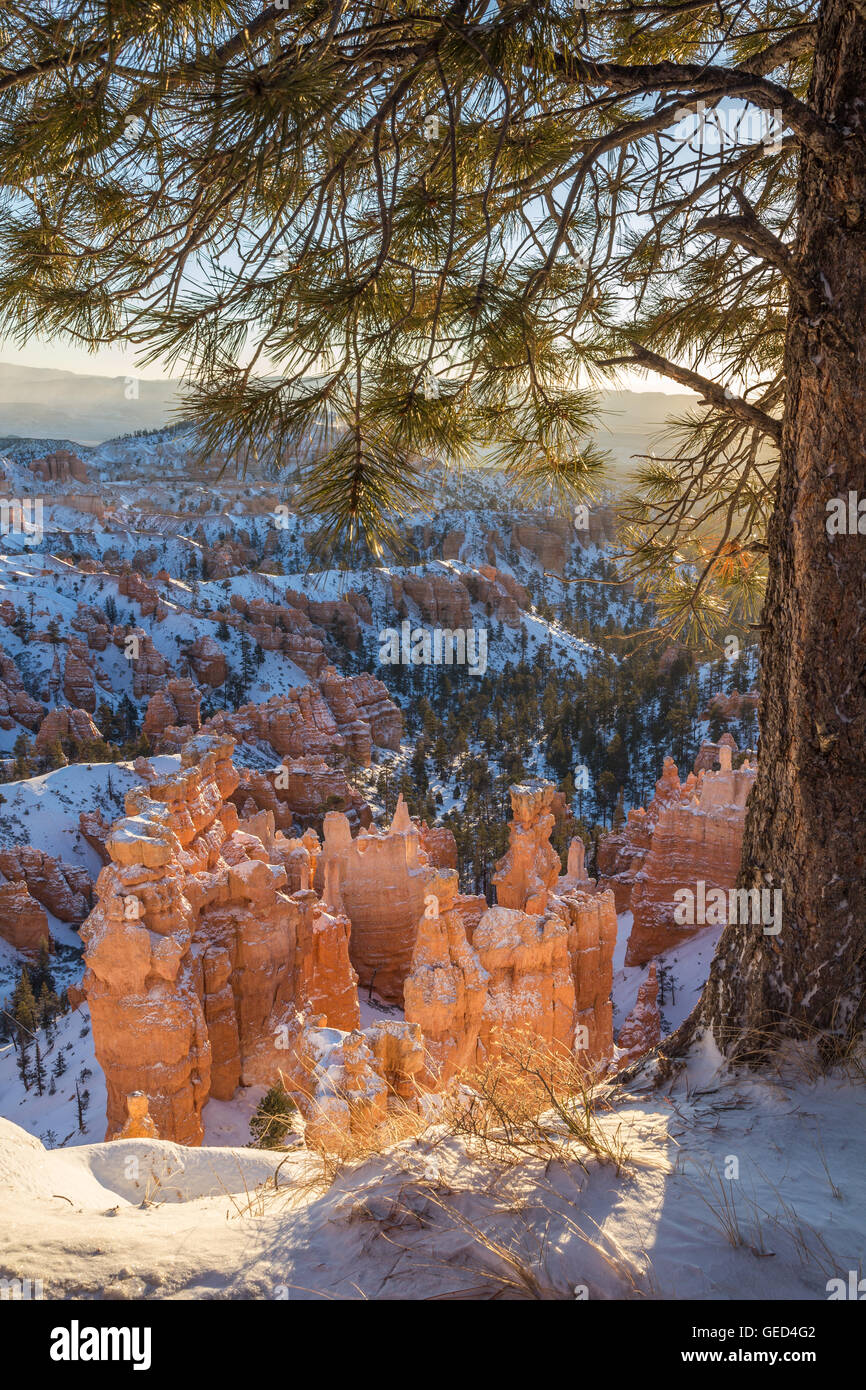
732 1187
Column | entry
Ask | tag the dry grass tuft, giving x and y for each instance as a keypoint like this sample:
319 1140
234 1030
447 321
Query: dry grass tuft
531 1099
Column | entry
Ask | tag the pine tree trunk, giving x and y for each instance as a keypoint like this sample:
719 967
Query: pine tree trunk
806 820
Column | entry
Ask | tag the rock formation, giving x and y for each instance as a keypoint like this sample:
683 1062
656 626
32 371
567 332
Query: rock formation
354 1078
59 467
150 669
731 706
548 542
709 756
575 876
301 791
132 585
197 956
479 974
441 600
207 661
138 1124
65 890
78 676
439 845
530 988
697 837
383 879
341 720
94 625
529 869
324 977
503 598
65 726
172 715
642 1028
592 932
16 706
23 923
446 989
95 830
339 618
621 853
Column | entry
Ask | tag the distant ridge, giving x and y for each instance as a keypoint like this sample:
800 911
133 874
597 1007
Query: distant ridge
50 407
44 403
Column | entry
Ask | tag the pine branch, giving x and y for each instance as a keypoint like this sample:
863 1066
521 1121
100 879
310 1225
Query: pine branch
709 391
795 44
708 82
760 242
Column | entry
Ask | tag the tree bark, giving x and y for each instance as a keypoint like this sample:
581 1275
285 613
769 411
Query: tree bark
806 820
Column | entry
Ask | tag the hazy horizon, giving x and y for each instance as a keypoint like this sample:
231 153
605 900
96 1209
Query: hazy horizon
89 408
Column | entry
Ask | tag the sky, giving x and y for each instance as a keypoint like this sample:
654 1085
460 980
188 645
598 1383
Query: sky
116 362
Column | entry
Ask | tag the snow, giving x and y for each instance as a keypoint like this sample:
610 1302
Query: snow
138 1218
54 1118
687 964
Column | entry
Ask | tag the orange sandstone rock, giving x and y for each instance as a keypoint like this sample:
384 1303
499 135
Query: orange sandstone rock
592 931
439 845
95 830
207 660
697 838
529 869
383 878
65 726
65 890
138 1124
78 676
354 1078
446 989
172 715
23 923
530 988
642 1028
197 954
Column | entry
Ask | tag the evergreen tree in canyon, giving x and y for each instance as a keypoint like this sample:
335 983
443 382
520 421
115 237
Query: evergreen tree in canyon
370 233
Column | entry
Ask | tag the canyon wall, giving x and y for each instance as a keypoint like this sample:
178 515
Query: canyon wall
691 832
696 838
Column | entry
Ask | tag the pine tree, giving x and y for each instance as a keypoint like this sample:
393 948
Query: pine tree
274 1115
38 1069
24 1009
80 1107
383 171
23 1060
40 975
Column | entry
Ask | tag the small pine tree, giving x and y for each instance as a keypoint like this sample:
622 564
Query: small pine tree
24 1009
23 1061
80 1106
41 975
39 1070
272 1118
